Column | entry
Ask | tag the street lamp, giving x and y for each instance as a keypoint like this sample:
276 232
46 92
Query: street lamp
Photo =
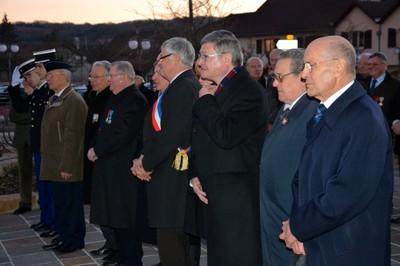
12 48
134 44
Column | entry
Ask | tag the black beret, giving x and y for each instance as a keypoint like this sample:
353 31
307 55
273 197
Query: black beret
55 64
26 67
44 56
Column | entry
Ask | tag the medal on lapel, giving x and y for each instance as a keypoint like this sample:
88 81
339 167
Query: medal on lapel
109 116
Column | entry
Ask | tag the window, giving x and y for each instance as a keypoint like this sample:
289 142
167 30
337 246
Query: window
259 47
368 39
392 37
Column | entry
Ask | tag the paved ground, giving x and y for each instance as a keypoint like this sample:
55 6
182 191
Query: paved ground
21 246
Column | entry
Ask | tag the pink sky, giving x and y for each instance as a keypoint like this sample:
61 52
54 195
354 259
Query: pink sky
98 11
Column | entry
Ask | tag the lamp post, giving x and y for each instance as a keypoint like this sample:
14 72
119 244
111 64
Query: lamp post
11 48
134 44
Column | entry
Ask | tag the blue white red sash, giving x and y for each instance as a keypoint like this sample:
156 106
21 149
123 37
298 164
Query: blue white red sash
156 113
230 75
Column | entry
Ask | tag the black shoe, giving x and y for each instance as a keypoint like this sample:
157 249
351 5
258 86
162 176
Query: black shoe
395 220
22 210
100 251
111 256
33 226
42 228
52 245
158 264
55 240
65 248
50 233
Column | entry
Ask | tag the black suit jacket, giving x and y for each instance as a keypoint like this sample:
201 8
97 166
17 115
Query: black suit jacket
167 189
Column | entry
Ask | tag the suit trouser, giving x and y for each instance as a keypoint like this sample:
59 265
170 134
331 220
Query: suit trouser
173 246
129 244
25 175
70 220
47 215
109 235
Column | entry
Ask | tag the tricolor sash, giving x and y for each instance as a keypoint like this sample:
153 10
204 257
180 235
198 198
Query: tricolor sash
156 114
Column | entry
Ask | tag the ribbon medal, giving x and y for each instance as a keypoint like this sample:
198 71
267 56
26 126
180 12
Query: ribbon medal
109 116
95 118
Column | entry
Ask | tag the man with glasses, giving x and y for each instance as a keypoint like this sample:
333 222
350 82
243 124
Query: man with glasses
164 159
62 136
226 144
96 100
118 197
385 91
343 187
281 154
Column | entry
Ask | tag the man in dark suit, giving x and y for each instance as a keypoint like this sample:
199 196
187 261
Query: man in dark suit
164 143
284 145
343 187
386 93
226 145
116 198
96 100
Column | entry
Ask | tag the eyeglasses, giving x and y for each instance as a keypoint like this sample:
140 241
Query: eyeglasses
52 75
374 64
309 66
159 60
113 75
280 78
96 77
206 56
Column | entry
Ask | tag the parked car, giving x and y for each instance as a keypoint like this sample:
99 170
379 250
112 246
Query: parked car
4 97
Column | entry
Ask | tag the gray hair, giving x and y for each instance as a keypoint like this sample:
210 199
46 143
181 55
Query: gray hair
225 42
381 56
297 59
104 64
126 68
182 47
367 55
67 74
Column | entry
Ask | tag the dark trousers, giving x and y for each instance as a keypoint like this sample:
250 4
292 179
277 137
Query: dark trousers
46 202
173 247
109 235
129 244
25 175
70 220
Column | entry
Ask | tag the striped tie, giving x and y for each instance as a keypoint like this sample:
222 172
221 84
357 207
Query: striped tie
320 112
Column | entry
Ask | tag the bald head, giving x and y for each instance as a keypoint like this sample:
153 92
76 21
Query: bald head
329 66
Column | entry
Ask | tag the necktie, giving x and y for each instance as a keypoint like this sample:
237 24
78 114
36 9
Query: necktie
320 112
372 85
283 117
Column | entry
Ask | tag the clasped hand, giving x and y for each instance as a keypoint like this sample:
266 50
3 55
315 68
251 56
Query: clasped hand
138 170
290 240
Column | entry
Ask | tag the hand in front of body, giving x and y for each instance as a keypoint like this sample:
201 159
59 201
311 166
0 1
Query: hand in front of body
198 189
65 176
91 155
290 240
28 89
208 87
138 170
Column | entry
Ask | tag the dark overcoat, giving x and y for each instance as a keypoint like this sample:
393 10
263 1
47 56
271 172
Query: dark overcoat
343 188
96 104
167 189
227 141
280 159
116 144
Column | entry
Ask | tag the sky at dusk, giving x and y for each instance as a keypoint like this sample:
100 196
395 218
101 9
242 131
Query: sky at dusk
100 11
